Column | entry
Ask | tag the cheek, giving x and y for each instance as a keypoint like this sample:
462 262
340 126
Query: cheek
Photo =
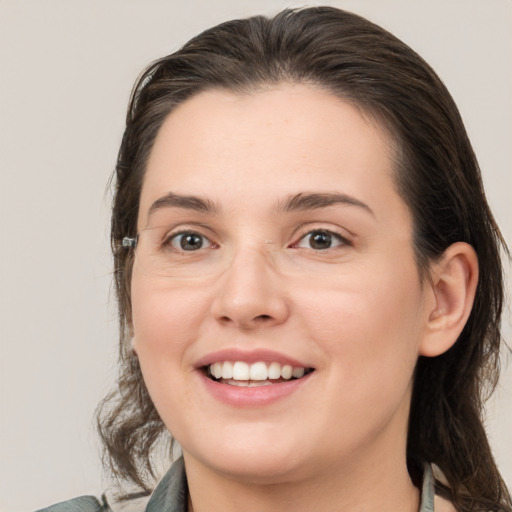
161 313
165 323
369 324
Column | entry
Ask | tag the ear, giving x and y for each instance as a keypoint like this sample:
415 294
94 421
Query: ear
131 334
454 280
132 345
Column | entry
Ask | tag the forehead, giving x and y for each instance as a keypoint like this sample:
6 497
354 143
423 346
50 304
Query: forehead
269 143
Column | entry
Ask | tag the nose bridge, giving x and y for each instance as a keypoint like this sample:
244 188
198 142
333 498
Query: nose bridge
249 291
253 264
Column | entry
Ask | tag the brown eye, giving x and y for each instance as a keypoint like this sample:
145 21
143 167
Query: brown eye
320 240
189 241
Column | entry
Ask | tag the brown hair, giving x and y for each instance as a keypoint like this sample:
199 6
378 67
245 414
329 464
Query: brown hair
437 176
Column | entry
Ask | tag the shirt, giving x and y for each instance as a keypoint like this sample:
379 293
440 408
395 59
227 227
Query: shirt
171 495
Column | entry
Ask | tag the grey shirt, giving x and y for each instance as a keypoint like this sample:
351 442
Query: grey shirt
171 495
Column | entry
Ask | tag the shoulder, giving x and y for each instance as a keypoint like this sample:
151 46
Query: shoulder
171 495
81 504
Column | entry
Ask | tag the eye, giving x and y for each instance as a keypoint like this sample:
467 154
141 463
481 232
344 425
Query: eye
320 240
188 241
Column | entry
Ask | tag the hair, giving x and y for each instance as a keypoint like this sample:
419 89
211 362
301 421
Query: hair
437 175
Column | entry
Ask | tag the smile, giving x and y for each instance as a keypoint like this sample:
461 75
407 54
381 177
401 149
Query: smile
243 374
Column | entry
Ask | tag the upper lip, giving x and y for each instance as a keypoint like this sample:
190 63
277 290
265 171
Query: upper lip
249 356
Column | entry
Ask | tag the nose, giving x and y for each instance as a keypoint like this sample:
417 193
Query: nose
250 294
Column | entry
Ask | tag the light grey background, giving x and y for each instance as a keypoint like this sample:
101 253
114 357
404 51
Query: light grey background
66 70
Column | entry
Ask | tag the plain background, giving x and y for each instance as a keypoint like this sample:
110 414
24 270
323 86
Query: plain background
67 68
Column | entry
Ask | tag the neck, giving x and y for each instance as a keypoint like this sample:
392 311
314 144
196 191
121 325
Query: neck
371 477
383 484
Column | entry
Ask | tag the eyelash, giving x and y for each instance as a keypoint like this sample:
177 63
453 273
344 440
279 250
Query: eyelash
168 241
329 235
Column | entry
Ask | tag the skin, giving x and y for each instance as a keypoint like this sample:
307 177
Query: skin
358 312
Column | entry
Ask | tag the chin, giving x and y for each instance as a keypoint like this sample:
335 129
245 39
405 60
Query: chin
258 470
251 457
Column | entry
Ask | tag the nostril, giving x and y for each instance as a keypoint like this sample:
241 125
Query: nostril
254 321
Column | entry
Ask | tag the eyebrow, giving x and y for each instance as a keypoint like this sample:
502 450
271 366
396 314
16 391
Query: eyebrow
172 200
297 202
313 201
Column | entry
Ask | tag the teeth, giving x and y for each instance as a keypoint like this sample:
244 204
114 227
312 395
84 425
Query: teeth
260 371
298 373
227 370
286 371
248 383
274 371
217 370
240 371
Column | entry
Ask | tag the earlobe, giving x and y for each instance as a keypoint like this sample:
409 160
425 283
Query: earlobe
454 282
132 339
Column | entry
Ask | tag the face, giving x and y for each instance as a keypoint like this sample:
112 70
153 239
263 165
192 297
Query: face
283 247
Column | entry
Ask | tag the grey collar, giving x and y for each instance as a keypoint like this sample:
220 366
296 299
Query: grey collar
171 494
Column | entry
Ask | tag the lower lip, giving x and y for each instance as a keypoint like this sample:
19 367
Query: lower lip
256 396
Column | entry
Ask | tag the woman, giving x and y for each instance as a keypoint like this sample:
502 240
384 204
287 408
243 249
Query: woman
308 276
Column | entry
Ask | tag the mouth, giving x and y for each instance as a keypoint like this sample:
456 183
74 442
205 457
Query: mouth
260 373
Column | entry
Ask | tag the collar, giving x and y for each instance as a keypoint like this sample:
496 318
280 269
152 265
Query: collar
171 494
